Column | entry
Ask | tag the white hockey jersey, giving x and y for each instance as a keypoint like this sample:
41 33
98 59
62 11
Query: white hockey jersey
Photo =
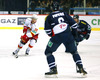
31 28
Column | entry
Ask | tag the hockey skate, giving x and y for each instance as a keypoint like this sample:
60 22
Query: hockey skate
53 73
27 52
15 53
80 69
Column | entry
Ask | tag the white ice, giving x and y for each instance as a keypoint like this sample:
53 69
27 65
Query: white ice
34 66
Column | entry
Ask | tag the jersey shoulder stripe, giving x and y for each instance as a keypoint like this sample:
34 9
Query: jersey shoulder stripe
83 22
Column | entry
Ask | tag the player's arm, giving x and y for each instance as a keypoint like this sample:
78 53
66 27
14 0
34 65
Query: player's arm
25 28
26 25
47 26
88 28
88 31
73 25
35 34
74 30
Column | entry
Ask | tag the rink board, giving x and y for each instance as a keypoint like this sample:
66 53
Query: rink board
16 21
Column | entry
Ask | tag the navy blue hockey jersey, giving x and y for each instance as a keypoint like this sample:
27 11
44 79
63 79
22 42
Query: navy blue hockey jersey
83 27
58 22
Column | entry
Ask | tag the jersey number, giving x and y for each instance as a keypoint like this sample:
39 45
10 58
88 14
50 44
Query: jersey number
60 20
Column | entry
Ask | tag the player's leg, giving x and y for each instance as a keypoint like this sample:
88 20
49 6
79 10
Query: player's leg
20 45
78 62
31 44
66 47
24 40
51 47
76 57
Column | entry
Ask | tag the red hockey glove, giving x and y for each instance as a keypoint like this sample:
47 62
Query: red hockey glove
25 29
35 36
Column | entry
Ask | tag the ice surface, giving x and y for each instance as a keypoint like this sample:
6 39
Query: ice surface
34 66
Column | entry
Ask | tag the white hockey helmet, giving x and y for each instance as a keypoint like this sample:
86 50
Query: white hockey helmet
34 16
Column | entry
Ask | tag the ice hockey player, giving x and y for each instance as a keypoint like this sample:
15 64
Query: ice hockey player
57 26
30 34
83 29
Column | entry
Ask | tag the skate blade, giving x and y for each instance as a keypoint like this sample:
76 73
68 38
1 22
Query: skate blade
83 75
26 54
51 76
16 56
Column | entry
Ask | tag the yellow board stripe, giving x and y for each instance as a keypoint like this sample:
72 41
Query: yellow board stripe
40 28
11 27
95 29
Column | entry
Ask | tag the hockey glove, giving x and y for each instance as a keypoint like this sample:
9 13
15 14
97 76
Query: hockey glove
74 33
24 29
35 36
87 36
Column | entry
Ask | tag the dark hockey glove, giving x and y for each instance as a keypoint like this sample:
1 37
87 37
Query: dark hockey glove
35 37
87 36
74 33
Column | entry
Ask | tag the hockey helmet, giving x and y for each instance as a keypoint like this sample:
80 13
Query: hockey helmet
76 16
55 6
34 16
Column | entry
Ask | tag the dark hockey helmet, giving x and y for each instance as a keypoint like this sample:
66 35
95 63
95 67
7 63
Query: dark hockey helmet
55 6
76 16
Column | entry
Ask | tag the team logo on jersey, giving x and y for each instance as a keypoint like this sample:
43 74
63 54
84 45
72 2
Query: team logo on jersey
50 44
